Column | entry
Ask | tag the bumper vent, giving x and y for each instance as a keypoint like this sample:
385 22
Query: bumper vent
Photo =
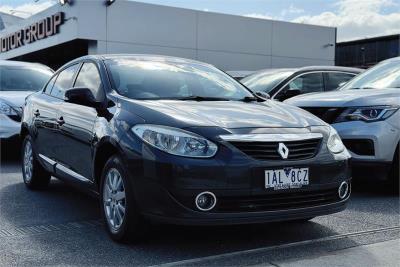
273 202
298 150
329 115
362 147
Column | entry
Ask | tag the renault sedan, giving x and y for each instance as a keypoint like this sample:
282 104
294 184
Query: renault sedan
178 141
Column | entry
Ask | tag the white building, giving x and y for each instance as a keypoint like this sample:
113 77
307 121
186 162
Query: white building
7 20
230 42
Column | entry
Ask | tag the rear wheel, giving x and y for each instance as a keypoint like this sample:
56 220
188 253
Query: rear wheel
34 175
122 218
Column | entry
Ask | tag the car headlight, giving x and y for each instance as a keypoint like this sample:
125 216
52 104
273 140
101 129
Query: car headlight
6 109
367 114
175 141
335 144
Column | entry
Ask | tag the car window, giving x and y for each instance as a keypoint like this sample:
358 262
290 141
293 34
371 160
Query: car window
64 81
265 81
384 75
335 79
50 85
306 83
89 77
143 79
15 78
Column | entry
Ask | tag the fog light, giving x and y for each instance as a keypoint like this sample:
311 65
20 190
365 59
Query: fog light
206 201
343 190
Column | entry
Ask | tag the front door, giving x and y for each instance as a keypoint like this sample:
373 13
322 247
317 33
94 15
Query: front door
76 131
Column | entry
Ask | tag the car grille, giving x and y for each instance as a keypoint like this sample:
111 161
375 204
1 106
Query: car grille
298 150
273 202
327 114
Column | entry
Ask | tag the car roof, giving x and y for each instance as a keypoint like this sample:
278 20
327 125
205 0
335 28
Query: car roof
313 68
148 57
11 63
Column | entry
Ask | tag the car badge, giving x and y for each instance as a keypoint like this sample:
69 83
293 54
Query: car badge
283 151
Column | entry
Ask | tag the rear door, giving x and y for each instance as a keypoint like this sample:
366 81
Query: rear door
76 132
44 109
334 80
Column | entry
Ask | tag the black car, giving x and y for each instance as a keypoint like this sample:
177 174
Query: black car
178 141
282 84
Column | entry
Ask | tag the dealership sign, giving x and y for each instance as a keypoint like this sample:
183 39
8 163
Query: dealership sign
42 29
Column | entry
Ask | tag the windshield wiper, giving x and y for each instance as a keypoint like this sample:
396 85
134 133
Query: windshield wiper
249 99
202 98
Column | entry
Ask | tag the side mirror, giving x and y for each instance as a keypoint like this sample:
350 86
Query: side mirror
292 92
82 96
263 95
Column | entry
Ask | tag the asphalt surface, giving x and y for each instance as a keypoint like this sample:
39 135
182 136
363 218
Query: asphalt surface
61 227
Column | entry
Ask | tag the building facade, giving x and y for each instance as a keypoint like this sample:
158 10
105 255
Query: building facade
365 53
227 41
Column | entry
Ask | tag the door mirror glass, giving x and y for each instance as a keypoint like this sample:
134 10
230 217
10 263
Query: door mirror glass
81 96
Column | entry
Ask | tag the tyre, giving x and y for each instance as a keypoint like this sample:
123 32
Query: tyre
34 175
395 172
119 209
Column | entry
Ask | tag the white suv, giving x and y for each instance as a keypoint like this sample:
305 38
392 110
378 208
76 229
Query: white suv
17 81
365 113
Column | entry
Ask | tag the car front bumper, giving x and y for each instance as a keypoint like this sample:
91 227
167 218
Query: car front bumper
166 187
384 137
8 127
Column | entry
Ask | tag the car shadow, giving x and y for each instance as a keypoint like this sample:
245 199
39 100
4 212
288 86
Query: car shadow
61 203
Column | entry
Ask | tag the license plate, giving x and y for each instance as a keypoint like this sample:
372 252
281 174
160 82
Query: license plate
286 178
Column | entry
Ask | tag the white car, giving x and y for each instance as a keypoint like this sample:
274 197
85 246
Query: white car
17 81
365 113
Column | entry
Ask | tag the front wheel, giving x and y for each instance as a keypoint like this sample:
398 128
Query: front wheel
122 218
34 175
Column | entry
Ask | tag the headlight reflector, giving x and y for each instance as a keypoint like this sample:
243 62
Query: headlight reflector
6 109
335 144
175 141
367 114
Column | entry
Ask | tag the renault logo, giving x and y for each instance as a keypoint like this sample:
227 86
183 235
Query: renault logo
283 151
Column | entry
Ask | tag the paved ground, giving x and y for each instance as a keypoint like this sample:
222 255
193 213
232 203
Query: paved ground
60 226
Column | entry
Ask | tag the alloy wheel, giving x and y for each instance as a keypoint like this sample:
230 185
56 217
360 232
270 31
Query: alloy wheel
28 161
114 200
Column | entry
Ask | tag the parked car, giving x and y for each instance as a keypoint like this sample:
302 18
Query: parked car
179 141
365 112
282 84
17 81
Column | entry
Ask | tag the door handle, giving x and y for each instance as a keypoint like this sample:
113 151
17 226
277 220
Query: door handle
60 121
36 113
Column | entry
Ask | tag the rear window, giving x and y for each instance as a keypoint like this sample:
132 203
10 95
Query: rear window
23 79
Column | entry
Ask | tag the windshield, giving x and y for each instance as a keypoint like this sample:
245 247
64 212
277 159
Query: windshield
145 79
266 81
13 78
383 75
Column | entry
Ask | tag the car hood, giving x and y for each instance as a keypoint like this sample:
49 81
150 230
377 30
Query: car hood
348 98
14 98
225 114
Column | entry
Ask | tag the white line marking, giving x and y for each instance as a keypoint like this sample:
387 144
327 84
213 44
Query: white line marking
265 249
